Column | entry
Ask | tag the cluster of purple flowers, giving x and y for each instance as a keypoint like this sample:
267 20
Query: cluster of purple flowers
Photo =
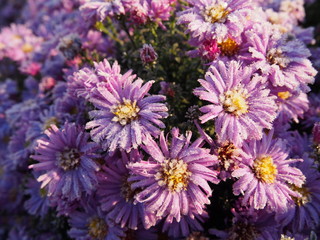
92 142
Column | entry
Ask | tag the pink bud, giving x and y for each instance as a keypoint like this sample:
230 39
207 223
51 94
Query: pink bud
148 54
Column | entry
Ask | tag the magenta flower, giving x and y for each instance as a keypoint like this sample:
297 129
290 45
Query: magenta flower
265 175
67 159
174 180
241 105
125 116
215 19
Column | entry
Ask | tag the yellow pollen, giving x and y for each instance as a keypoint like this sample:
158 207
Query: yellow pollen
284 95
235 101
229 47
98 228
27 48
285 237
174 174
48 122
17 37
2 46
126 112
305 195
216 13
265 169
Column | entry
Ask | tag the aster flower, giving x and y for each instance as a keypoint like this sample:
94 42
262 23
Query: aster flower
83 82
11 197
265 175
292 103
116 196
174 180
185 226
90 223
215 19
100 9
125 116
67 159
148 54
304 211
241 105
258 225
313 114
283 59
38 203
18 43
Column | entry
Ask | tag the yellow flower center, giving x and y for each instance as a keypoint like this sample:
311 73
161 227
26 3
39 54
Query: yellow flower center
305 195
235 101
17 37
216 13
275 56
27 48
285 237
265 170
126 112
284 95
2 46
47 124
174 174
98 228
229 47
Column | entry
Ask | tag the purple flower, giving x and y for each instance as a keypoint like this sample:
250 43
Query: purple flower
313 114
148 54
215 19
304 211
38 203
282 58
292 104
257 225
91 223
67 160
116 196
100 9
265 174
84 81
174 180
18 43
125 116
241 105
316 133
185 226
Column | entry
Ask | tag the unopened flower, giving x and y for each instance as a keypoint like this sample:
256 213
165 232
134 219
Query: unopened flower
148 54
